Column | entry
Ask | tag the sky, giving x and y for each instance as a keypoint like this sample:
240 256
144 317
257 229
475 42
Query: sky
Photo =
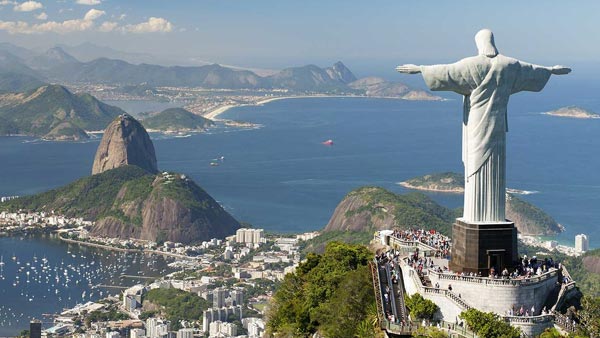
369 35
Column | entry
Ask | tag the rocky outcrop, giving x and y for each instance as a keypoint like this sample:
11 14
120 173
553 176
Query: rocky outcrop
125 142
592 264
171 208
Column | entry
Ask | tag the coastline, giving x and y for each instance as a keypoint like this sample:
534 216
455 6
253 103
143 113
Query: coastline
108 247
450 191
213 114
581 117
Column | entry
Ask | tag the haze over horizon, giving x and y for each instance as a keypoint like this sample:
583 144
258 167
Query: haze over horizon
271 34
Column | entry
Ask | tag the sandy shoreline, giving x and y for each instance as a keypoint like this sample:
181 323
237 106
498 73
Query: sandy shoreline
213 114
451 191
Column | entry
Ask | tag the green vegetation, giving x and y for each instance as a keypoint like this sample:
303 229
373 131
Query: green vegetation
589 317
12 82
330 293
551 333
40 111
317 244
529 217
409 210
102 316
90 197
447 181
419 307
488 324
429 332
178 305
175 119
585 270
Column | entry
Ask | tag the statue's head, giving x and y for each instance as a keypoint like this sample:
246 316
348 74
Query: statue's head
484 39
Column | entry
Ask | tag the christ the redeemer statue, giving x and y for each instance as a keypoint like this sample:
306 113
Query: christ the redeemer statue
486 82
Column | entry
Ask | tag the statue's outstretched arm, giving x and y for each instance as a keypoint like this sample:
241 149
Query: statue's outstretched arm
409 69
559 70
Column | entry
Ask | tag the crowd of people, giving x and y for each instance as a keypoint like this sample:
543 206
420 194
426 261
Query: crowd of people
431 238
526 312
385 259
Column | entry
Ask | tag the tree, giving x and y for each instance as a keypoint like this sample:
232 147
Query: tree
551 333
325 291
589 316
419 307
429 332
488 324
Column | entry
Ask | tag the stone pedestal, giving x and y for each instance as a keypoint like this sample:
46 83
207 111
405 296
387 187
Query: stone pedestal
477 247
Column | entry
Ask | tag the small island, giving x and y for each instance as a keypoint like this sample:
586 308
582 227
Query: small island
573 112
444 182
175 120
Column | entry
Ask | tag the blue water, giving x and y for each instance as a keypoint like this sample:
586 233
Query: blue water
281 177
47 275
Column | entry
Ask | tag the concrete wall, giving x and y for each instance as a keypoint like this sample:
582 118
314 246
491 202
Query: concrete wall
449 310
485 295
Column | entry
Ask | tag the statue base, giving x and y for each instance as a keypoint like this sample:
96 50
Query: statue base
477 247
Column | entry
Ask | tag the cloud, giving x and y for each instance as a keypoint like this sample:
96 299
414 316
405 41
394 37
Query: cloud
7 2
28 6
64 27
151 26
87 23
108 26
93 14
88 2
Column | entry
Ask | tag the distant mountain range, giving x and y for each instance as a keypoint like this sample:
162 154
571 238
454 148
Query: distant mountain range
58 66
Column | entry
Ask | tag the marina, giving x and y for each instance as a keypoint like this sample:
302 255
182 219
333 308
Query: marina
40 274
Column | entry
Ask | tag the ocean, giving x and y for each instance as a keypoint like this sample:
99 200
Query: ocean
281 177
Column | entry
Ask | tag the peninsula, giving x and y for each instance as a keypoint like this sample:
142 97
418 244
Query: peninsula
573 112
529 219
174 120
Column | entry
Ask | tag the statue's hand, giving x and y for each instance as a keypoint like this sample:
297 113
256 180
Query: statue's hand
560 70
409 69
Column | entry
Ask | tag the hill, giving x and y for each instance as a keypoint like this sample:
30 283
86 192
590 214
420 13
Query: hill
585 270
374 208
529 219
313 78
129 202
18 82
378 87
40 112
177 119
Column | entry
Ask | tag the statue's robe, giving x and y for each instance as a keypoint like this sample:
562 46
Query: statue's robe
486 84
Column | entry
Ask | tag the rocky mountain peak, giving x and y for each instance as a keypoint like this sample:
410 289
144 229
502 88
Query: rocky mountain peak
340 72
125 142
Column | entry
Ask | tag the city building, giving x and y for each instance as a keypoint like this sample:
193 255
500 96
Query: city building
185 333
250 236
219 295
113 334
582 243
137 333
238 296
35 329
